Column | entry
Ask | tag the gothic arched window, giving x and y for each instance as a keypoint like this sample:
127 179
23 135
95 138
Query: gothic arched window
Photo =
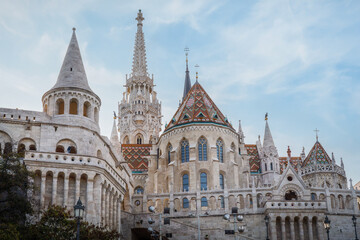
184 151
202 149
203 181
185 182
220 150
204 202
271 166
222 202
169 153
221 181
139 190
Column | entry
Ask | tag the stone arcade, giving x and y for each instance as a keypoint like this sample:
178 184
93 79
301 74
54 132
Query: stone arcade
199 167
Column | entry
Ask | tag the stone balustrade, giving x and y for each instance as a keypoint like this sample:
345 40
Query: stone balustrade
75 159
295 205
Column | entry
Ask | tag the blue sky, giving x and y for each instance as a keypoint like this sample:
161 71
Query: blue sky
297 60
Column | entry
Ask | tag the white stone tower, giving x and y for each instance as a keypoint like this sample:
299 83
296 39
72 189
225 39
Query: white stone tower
139 110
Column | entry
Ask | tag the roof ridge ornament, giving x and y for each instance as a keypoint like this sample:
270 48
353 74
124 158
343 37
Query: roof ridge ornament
197 72
317 136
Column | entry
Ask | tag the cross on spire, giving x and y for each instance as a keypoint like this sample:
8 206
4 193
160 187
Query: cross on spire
316 131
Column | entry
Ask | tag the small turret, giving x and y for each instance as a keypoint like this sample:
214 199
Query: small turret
333 159
303 155
342 163
241 133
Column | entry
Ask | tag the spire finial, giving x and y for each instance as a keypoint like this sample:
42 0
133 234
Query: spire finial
74 29
316 131
266 116
197 73
140 17
186 50
187 84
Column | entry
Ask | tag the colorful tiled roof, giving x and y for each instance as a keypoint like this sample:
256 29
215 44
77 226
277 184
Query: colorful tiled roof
317 155
135 155
254 159
295 163
197 107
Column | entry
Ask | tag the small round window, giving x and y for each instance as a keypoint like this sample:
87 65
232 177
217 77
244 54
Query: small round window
137 202
289 178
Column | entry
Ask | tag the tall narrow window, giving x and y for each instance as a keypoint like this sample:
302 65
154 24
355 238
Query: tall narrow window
60 106
202 149
219 150
265 167
222 202
271 166
73 106
203 181
204 202
185 181
184 151
221 181
185 203
169 153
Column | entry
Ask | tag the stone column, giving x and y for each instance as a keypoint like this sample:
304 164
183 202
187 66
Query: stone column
102 218
283 229
77 188
301 229
110 210
273 229
311 236
42 190
292 229
106 213
90 209
66 190
54 189
66 104
115 221
119 214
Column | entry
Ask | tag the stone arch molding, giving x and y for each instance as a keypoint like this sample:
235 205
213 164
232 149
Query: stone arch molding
293 187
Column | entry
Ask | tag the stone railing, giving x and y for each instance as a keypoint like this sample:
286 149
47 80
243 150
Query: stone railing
322 168
295 205
75 159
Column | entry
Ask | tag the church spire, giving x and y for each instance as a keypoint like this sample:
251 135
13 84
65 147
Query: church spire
268 140
139 67
72 73
187 84
114 138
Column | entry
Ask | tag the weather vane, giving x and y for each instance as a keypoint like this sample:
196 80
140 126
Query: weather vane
266 116
115 115
197 67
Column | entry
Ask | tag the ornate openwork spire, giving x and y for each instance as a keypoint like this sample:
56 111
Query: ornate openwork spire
268 140
187 84
139 60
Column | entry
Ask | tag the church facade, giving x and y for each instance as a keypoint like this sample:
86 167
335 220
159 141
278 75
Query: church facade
193 172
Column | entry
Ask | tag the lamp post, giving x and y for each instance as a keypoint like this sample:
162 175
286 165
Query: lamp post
239 218
267 226
79 213
152 209
327 226
354 222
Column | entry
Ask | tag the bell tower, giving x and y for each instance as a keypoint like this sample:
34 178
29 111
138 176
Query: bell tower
139 111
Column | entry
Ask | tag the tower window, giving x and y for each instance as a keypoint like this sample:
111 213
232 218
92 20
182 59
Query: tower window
202 149
219 150
221 181
204 202
185 180
184 151
71 69
203 181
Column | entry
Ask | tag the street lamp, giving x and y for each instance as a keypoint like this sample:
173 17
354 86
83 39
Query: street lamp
79 209
239 218
267 226
354 222
327 226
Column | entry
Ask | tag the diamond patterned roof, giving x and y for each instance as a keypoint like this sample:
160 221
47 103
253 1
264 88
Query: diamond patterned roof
198 107
254 159
135 155
294 161
317 155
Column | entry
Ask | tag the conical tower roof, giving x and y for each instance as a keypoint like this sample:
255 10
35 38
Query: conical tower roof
187 84
72 73
139 67
198 107
317 155
114 138
268 139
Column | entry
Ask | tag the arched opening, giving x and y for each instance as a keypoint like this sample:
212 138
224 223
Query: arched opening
139 190
185 203
288 228
222 202
139 139
204 202
71 149
86 109
202 149
72 190
184 151
313 197
60 106
126 140
203 181
48 189
8 148
341 202
99 154
83 189
315 229
291 195
220 150
221 181
59 149
278 229
306 228
37 190
297 228
185 182
45 108
73 106
60 189
169 149
21 150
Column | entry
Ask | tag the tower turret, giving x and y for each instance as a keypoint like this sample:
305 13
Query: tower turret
71 96
140 111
